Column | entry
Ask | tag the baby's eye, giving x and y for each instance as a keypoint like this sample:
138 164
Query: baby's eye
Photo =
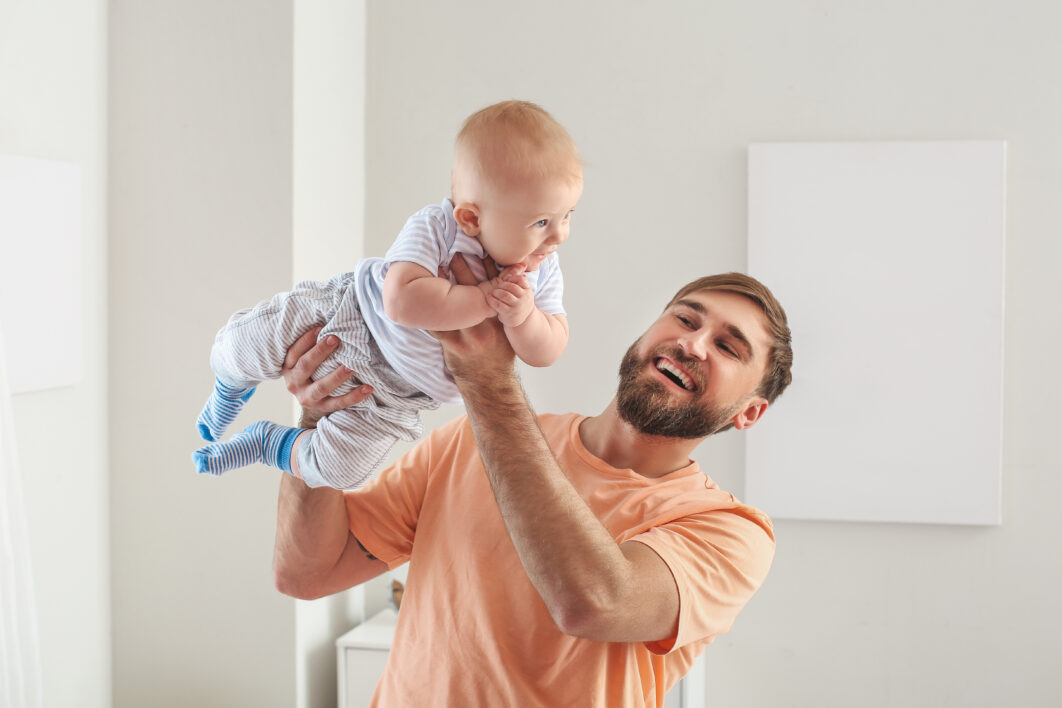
568 216
541 223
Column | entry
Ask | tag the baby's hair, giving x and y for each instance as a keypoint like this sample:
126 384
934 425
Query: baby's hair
514 140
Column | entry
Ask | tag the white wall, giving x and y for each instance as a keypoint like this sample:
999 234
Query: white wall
328 220
201 225
663 99
53 105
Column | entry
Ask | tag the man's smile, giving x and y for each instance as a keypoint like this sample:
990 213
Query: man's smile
675 373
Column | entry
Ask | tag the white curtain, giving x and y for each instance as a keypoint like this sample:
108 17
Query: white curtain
20 668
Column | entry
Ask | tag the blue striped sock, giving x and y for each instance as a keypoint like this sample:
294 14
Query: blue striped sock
221 409
260 442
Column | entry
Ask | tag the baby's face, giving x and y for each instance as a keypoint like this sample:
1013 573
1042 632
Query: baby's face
526 224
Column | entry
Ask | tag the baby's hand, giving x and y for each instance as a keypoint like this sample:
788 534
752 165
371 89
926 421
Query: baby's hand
510 274
511 296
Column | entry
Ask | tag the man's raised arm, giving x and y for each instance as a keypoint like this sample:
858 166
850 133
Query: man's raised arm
315 553
592 586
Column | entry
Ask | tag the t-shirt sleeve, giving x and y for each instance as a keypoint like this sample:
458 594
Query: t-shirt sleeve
383 514
422 241
549 291
718 559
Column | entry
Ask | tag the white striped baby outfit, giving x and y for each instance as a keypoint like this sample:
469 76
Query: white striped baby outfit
403 365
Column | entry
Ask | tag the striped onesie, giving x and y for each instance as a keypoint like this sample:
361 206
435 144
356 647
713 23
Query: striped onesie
403 365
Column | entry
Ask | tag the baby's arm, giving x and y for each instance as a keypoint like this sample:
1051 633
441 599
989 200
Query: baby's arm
536 337
540 340
416 298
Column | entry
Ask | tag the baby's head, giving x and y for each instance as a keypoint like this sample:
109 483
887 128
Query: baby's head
516 179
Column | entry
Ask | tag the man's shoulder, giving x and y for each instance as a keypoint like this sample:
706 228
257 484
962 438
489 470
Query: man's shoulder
457 432
549 422
450 428
557 423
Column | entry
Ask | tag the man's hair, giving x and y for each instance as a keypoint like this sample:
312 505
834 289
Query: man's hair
780 358
518 137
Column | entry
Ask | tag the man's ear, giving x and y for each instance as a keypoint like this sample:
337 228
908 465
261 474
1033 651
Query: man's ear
466 215
750 414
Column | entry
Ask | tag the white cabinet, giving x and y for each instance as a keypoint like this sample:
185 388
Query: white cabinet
362 654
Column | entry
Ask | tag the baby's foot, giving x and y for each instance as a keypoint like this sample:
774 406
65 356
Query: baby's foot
260 442
221 409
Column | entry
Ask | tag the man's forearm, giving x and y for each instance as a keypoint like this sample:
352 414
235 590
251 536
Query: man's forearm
315 553
311 537
592 587
570 557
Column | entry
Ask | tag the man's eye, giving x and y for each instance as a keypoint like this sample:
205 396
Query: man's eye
727 348
684 320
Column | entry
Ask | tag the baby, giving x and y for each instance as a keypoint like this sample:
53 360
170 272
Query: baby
516 178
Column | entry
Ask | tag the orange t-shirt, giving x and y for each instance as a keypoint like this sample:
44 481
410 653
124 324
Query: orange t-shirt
473 631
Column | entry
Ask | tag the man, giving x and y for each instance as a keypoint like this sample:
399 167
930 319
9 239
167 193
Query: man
557 560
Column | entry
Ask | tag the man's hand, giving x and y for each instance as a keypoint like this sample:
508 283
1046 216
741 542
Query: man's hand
479 353
303 358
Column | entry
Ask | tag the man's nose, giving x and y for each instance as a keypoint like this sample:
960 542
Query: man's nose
694 344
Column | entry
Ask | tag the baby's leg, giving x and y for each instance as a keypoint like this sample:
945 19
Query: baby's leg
342 452
260 442
224 404
251 348
347 447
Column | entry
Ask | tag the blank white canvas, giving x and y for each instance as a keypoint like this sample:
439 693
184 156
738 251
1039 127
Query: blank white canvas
888 258
40 272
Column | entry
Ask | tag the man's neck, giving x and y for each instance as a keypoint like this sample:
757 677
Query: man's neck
610 438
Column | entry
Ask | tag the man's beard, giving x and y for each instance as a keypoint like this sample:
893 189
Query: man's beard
645 404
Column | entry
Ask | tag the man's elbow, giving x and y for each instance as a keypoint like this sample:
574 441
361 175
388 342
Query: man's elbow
294 585
586 618
583 626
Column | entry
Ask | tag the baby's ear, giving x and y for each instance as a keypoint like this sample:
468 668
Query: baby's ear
466 215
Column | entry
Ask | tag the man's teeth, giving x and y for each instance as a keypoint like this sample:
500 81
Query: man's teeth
674 373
